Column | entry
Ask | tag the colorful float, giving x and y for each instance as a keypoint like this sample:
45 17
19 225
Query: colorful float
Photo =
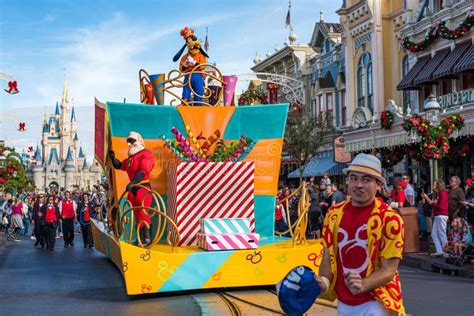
196 210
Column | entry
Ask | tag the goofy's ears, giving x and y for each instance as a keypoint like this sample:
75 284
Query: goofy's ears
179 53
203 52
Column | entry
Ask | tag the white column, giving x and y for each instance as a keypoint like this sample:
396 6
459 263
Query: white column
377 60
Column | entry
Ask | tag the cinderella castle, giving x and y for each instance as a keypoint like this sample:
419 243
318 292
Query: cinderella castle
61 162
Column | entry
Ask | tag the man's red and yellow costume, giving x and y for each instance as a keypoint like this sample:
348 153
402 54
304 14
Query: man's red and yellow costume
385 231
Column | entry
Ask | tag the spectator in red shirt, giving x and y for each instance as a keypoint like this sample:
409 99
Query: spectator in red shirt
399 196
439 205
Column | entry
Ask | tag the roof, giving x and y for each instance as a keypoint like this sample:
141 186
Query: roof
81 154
84 165
52 120
318 165
75 137
53 156
37 155
73 115
57 112
426 74
69 155
447 67
45 128
327 81
321 29
407 81
467 62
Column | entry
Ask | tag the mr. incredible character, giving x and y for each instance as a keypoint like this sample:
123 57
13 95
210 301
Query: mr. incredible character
195 56
138 165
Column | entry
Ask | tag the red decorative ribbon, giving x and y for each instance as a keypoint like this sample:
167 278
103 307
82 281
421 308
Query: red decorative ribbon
12 87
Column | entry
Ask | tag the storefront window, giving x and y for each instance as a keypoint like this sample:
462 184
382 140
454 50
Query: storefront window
321 104
364 81
467 81
329 101
343 108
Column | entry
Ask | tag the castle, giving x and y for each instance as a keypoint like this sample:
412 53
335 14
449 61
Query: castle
61 162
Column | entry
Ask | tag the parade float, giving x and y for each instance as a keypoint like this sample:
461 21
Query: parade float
193 184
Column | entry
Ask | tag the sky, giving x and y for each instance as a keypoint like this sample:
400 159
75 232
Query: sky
101 45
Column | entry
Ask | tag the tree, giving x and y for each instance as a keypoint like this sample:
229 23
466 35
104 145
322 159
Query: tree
306 134
13 177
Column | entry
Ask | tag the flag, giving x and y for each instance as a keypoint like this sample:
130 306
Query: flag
288 19
206 42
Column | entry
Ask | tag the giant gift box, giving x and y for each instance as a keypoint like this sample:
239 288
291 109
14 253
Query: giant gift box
212 242
208 190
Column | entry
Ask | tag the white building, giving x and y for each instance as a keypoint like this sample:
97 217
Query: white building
61 162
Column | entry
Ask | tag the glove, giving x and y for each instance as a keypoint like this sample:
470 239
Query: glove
131 189
190 61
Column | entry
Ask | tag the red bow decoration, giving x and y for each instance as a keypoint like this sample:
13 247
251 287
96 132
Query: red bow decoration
30 149
21 126
12 87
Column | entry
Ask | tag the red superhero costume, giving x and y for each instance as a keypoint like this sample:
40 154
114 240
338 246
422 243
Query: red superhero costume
142 161
138 165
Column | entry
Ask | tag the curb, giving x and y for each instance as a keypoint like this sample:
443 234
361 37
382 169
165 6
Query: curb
421 261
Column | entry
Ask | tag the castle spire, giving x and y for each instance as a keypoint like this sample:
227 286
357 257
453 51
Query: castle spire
57 112
73 115
65 91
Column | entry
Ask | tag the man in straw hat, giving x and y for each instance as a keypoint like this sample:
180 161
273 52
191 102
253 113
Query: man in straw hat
138 165
363 241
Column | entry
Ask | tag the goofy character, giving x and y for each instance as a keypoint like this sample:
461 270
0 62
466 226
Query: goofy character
138 165
195 56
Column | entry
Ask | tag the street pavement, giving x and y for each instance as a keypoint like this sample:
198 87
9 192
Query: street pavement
80 281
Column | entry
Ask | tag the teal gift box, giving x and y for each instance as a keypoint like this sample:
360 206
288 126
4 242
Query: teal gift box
225 225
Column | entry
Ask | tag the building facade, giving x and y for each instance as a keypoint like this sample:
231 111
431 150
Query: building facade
61 161
397 54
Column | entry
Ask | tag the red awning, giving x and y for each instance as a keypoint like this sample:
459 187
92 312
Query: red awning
447 67
407 81
467 62
426 75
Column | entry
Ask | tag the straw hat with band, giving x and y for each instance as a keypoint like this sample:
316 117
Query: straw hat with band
367 164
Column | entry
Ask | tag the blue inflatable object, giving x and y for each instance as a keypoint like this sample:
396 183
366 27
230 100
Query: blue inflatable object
298 291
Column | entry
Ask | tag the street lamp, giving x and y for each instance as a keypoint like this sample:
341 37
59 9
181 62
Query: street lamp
432 109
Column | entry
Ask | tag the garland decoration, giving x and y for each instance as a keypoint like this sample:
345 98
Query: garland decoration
386 120
253 95
437 30
190 150
434 140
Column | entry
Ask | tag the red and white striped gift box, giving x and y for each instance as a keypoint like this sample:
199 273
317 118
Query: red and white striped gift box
212 242
209 190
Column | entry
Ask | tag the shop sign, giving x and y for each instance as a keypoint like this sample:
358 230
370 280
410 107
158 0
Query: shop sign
341 155
456 98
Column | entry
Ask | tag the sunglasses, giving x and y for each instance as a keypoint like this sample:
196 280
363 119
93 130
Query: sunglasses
131 140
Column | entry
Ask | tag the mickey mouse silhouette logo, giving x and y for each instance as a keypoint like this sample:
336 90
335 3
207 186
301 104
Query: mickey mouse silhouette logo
146 288
281 258
125 266
255 258
146 256
165 271
217 276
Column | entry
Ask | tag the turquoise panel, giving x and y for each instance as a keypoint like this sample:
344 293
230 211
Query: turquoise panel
150 121
258 122
265 215
194 272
